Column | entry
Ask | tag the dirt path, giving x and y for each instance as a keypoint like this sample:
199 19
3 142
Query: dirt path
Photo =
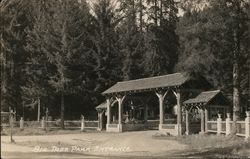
138 143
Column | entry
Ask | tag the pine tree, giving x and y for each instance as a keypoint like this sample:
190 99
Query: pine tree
36 70
213 41
56 45
105 50
161 39
14 20
131 39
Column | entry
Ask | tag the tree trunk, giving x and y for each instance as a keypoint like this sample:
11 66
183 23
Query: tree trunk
236 96
236 82
161 15
3 80
141 20
155 12
62 110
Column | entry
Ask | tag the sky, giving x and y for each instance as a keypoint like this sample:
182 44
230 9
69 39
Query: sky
196 4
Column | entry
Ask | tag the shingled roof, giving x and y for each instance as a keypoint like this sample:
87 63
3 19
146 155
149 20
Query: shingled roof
170 80
203 97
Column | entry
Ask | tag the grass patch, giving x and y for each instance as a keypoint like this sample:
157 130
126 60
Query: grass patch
209 145
209 141
18 132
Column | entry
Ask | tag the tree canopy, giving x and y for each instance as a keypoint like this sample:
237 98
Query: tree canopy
65 53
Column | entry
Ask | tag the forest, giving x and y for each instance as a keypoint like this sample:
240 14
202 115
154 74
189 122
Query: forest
62 54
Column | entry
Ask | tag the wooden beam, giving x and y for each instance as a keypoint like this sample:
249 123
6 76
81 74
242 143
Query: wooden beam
202 121
174 93
108 110
179 112
120 99
206 119
191 108
161 97
187 122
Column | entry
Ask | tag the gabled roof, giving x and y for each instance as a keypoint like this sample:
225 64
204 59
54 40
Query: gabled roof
203 97
170 80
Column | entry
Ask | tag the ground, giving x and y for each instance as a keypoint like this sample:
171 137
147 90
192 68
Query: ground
138 144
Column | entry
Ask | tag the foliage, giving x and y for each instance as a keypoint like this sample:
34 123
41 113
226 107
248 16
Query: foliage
208 45
66 53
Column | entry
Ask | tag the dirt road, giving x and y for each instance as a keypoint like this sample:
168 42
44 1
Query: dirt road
140 143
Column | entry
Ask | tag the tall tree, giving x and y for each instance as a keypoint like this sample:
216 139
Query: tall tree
161 31
239 28
58 42
14 20
213 41
131 39
105 50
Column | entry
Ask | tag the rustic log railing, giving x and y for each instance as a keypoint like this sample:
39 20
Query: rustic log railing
240 125
71 124
212 126
225 127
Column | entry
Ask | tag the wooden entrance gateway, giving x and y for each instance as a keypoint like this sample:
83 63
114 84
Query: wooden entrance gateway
204 107
179 86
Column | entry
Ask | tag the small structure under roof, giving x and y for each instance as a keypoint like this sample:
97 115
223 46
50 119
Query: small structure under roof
207 97
208 104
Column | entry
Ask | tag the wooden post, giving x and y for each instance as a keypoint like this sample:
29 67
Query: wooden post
206 119
108 111
21 123
228 128
11 125
219 124
187 122
247 125
98 124
202 121
101 121
120 111
38 109
43 123
120 108
179 113
82 123
161 97
161 109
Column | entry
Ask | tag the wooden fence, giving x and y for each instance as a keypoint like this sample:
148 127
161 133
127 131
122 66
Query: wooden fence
225 127
43 124
71 124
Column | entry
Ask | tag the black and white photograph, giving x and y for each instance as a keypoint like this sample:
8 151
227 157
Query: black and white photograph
129 79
